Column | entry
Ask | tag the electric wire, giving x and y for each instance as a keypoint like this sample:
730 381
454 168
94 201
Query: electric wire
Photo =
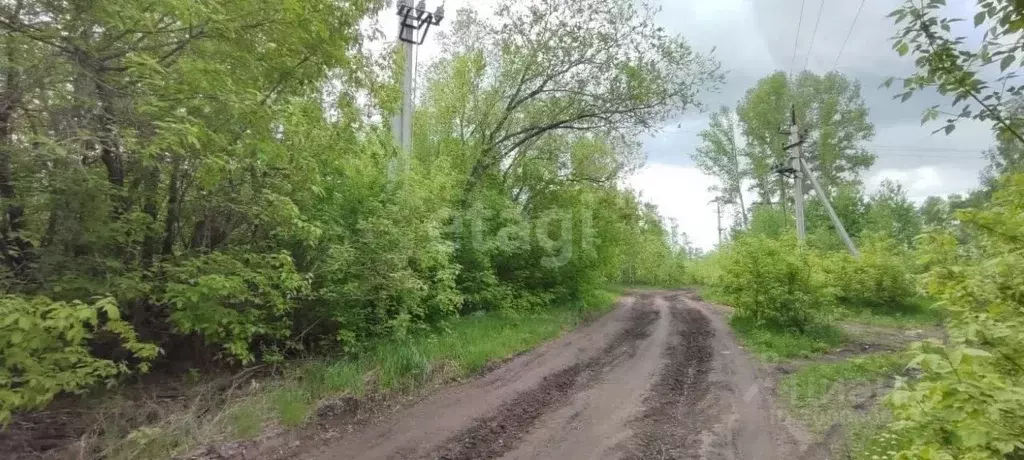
796 41
849 33
814 32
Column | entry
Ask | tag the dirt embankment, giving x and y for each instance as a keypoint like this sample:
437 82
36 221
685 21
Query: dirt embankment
659 378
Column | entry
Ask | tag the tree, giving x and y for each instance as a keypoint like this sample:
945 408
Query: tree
968 401
850 205
829 107
891 213
719 156
1007 156
935 212
542 67
979 76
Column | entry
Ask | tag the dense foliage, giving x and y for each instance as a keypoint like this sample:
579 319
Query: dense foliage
219 175
880 278
970 400
46 348
771 280
773 283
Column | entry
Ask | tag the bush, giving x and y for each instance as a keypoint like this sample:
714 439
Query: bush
879 279
45 349
231 300
969 402
772 282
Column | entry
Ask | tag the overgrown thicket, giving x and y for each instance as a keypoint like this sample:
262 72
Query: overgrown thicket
969 402
186 184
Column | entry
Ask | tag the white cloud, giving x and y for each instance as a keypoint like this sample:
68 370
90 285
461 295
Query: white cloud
924 181
681 193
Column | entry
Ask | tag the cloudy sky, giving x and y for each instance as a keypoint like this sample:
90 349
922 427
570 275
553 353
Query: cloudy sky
753 38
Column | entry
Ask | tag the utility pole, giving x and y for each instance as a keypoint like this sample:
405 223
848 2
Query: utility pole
797 169
795 160
720 201
413 26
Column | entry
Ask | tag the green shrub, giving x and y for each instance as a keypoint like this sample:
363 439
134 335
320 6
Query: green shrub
45 349
772 282
233 299
879 279
969 402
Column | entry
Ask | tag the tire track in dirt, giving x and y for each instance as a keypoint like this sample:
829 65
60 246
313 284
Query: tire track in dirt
416 430
711 400
594 424
498 433
673 417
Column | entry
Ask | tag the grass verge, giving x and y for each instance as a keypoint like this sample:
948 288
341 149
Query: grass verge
390 368
917 314
845 395
773 345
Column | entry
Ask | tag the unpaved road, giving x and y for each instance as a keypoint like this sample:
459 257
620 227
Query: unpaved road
661 377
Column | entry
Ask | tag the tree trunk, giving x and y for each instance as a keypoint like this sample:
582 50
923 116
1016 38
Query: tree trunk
743 208
110 149
173 207
151 208
15 248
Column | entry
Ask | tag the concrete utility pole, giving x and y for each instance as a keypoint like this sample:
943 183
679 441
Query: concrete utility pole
795 160
413 26
797 169
720 201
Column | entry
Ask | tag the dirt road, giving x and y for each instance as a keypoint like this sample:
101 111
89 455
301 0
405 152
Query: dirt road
661 377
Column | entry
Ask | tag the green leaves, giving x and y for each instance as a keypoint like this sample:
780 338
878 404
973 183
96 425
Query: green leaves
233 299
951 65
831 110
1006 61
969 402
46 349
773 283
903 48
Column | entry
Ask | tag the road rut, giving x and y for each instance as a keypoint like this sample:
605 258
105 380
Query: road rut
661 377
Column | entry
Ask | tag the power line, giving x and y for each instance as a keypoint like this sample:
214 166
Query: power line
848 34
796 41
814 32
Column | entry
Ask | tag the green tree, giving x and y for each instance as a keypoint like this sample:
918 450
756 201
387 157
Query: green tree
935 212
538 68
891 213
719 156
970 397
977 74
850 205
832 111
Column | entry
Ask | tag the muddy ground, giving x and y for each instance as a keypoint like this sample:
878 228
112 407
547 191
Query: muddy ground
661 377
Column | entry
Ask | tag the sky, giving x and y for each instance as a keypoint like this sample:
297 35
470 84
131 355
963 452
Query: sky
753 38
